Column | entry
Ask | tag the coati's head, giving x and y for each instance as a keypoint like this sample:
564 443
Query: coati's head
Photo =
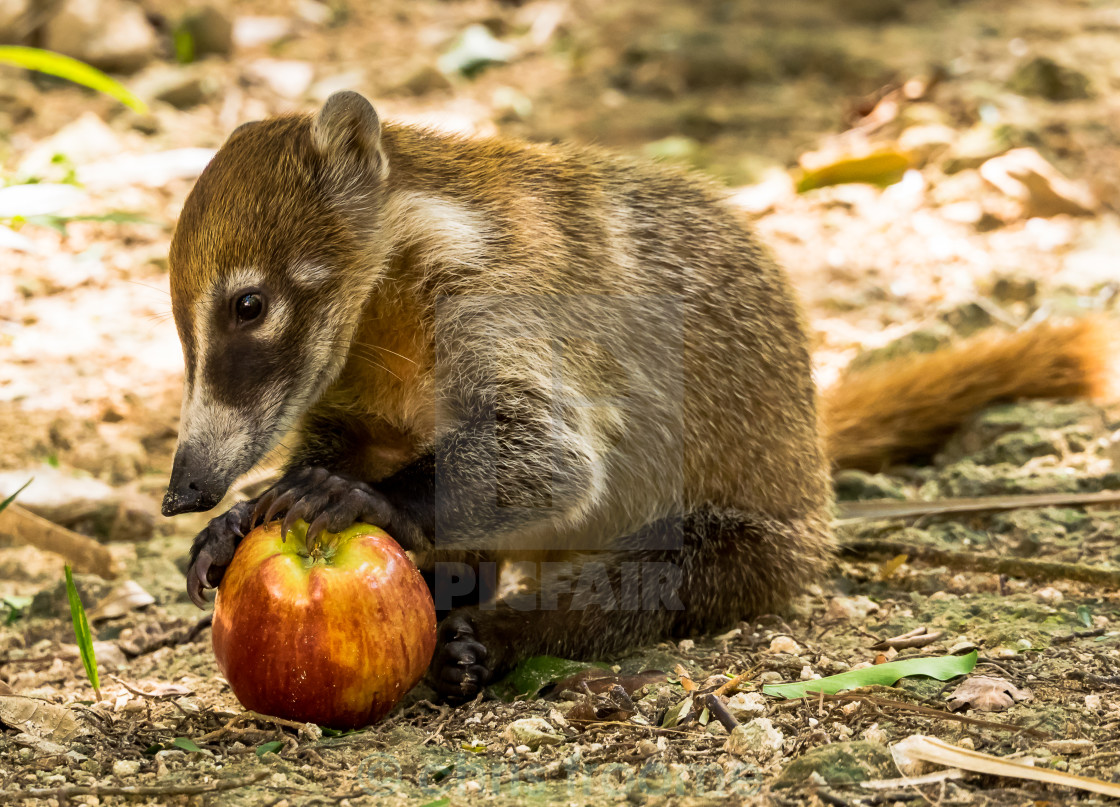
271 265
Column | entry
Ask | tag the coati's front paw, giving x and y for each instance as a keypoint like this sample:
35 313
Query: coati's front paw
331 502
459 670
213 549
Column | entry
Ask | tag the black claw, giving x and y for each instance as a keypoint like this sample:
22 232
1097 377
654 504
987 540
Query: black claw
279 504
195 589
317 525
294 514
261 508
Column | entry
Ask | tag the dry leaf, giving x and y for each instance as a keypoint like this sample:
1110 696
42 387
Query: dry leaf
919 748
987 694
39 718
128 596
686 682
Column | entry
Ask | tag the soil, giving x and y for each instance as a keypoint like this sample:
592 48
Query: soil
91 371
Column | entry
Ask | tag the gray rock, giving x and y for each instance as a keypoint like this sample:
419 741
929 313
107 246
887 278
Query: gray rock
17 20
210 32
852 485
181 87
1045 78
53 603
839 764
757 739
83 504
923 340
532 732
111 35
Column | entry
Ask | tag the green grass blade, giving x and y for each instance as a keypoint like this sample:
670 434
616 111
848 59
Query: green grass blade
82 633
56 64
4 504
186 744
940 667
269 748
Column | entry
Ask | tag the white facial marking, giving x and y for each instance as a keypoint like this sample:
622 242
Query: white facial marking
309 273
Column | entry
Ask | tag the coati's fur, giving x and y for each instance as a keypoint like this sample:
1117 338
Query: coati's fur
493 348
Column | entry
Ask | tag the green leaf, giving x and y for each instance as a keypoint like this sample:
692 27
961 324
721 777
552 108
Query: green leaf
187 744
533 674
329 732
940 667
1082 613
438 802
12 498
82 633
56 64
677 713
474 749
15 607
269 748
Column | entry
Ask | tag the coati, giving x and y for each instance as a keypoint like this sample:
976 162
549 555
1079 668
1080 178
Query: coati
495 349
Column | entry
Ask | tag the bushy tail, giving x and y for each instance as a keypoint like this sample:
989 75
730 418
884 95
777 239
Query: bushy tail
908 405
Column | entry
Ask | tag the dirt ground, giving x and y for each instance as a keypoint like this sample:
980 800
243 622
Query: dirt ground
90 374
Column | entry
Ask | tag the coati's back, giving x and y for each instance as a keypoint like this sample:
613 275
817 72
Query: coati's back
668 334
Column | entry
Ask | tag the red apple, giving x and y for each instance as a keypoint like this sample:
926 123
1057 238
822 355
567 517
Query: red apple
334 634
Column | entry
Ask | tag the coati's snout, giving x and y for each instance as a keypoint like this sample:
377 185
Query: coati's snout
194 487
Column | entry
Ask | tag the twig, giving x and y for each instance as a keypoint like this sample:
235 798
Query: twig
716 707
915 638
878 510
135 790
727 686
922 710
975 562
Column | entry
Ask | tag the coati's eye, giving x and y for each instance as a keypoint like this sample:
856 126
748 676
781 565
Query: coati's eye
248 307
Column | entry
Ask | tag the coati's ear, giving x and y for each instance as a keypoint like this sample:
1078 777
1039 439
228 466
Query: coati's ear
348 133
243 128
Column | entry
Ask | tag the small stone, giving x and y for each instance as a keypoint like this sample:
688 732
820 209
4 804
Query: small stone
531 733
253 32
746 705
125 768
1050 595
686 645
855 485
111 35
424 80
849 608
210 32
1045 78
874 734
784 644
285 77
758 738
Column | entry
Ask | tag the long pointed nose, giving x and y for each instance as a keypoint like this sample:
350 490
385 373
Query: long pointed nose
194 486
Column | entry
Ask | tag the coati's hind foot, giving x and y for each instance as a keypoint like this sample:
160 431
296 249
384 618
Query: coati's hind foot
459 670
213 549
602 604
